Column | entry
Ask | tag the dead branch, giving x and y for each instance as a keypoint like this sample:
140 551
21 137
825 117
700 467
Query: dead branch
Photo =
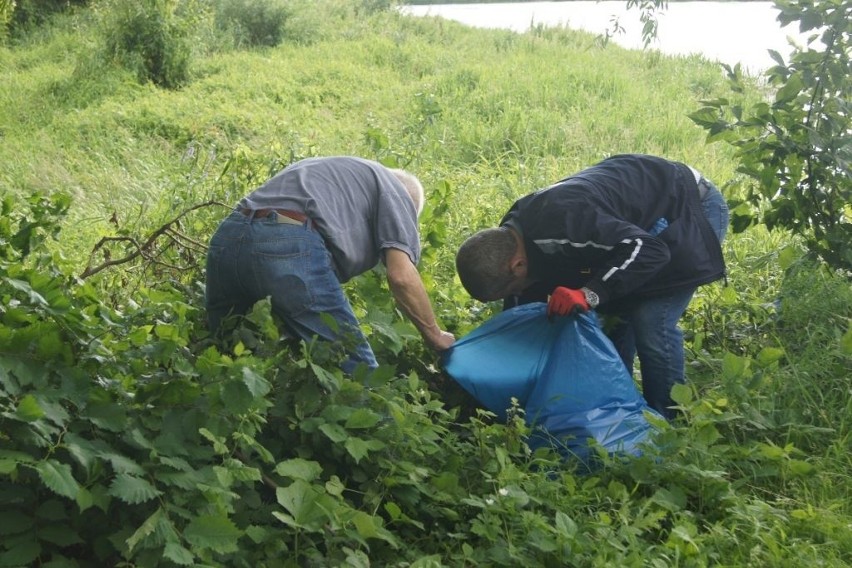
139 249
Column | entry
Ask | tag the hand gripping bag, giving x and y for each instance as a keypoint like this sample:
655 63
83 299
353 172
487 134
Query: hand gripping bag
565 374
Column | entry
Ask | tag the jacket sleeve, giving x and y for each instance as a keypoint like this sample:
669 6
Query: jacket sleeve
629 255
621 255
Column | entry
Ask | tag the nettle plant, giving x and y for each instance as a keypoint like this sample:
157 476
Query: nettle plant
130 437
127 436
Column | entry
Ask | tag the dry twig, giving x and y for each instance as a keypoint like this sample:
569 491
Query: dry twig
142 249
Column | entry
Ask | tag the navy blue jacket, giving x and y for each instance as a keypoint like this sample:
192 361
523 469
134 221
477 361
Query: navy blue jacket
594 228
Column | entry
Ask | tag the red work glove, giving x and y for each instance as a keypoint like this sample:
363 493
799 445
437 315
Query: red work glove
565 301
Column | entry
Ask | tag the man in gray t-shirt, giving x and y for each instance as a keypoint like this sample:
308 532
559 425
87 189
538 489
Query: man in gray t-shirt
314 225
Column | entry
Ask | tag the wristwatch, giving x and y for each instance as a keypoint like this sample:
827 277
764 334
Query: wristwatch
591 297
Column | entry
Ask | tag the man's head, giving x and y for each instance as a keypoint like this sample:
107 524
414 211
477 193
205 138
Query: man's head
412 186
492 264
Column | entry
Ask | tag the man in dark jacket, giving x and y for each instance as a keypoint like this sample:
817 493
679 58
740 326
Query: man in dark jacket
632 236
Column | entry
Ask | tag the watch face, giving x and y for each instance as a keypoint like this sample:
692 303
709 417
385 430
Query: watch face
591 298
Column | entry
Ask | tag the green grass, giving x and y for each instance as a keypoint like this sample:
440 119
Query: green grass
552 102
759 475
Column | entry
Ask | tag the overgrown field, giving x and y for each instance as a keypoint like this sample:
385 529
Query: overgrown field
128 437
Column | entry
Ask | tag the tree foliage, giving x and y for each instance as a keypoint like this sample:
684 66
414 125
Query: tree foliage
797 148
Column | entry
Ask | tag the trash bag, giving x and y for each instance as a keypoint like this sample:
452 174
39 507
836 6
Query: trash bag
565 374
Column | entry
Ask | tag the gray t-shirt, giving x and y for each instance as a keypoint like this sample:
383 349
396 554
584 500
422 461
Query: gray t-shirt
359 207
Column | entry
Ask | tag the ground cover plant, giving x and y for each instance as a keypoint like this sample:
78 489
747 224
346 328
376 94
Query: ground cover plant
128 437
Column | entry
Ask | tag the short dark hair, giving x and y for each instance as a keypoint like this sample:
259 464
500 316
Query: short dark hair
483 263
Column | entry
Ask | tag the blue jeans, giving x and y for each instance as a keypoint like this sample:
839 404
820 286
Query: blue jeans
251 259
650 328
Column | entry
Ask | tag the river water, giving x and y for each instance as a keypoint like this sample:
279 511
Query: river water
729 32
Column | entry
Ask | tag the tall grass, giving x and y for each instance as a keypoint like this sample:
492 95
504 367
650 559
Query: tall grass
760 475
553 102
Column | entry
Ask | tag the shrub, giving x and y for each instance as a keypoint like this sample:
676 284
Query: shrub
796 148
149 37
26 13
254 22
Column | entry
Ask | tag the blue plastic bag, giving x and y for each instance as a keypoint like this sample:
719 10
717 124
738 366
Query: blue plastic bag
565 374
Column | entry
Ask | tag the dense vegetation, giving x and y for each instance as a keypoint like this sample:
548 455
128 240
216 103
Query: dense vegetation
129 437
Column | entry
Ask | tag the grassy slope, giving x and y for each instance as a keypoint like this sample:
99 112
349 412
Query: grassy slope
516 113
537 108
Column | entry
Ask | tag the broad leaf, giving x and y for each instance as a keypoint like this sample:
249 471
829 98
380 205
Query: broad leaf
363 418
178 554
57 476
14 522
301 500
214 532
145 529
257 385
29 409
299 468
132 489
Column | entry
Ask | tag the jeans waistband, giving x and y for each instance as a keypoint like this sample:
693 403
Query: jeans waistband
281 216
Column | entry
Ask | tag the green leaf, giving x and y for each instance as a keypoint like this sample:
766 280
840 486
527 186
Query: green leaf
302 501
257 385
28 409
59 534
7 466
145 529
681 394
673 500
84 499
22 286
14 522
393 510
335 432
363 418
769 355
139 336
58 477
364 525
358 447
52 510
132 489
107 415
215 532
16 456
20 551
787 257
237 398
178 554
799 467
218 443
122 464
299 468
565 524
334 486
734 367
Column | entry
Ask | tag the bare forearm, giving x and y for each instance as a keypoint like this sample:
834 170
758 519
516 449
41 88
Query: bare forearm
410 295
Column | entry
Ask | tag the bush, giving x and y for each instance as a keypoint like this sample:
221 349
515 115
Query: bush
27 13
254 22
149 37
796 148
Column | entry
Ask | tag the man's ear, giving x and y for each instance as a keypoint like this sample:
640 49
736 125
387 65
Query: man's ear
518 265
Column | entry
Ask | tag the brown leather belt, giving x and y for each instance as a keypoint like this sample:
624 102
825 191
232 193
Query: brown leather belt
282 216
